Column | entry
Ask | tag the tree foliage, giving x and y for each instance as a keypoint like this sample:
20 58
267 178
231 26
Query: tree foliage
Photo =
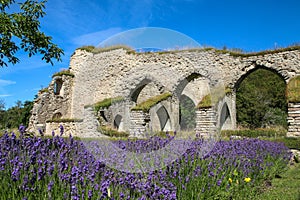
20 30
261 101
187 114
16 115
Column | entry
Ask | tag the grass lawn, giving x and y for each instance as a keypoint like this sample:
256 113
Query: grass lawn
285 188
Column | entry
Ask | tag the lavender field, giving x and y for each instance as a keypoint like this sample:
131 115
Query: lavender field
63 168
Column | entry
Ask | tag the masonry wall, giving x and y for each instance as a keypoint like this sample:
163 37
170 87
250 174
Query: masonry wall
294 120
119 73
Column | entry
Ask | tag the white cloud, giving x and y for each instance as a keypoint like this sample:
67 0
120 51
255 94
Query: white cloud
5 95
96 37
6 82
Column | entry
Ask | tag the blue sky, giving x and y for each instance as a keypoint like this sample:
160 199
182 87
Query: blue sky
252 25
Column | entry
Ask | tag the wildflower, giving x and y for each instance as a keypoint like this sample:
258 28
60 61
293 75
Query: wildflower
247 179
230 180
61 130
219 182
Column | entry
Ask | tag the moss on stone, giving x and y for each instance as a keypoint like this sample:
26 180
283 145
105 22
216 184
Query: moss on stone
293 90
146 105
64 72
105 103
206 102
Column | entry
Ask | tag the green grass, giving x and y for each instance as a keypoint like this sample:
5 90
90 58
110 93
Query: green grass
232 52
285 188
293 90
64 72
64 120
106 103
108 131
44 90
146 105
205 102
95 50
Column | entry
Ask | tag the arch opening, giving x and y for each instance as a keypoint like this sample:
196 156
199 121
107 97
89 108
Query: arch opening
187 114
118 123
57 86
261 100
164 119
225 118
57 115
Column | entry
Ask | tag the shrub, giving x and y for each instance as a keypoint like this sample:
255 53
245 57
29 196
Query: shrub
254 133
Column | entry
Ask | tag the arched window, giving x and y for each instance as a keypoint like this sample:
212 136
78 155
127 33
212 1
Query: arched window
57 86
57 115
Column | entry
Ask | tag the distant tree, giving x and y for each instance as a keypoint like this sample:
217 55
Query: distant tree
26 112
17 115
261 100
20 30
2 113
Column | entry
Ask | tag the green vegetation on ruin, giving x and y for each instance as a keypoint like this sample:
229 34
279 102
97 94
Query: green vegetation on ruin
146 105
293 90
205 102
106 103
43 90
111 132
235 52
95 50
64 72
63 120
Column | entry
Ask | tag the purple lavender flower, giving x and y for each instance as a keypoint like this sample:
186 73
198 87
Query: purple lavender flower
61 128
50 185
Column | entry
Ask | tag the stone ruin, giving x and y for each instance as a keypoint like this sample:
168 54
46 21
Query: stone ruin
126 79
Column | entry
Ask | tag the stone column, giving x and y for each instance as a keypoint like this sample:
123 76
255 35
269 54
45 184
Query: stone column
293 120
206 122
139 123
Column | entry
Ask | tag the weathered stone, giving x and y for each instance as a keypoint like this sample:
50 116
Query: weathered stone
138 77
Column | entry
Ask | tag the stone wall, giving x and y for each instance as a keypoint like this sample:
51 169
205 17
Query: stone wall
70 128
139 123
294 120
206 122
52 102
138 76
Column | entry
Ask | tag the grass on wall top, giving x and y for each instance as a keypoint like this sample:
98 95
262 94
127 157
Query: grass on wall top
146 105
63 120
64 72
232 52
95 50
205 102
293 90
105 103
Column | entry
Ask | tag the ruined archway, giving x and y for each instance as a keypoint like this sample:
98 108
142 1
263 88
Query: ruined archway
225 118
118 123
260 99
164 119
57 86
187 113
